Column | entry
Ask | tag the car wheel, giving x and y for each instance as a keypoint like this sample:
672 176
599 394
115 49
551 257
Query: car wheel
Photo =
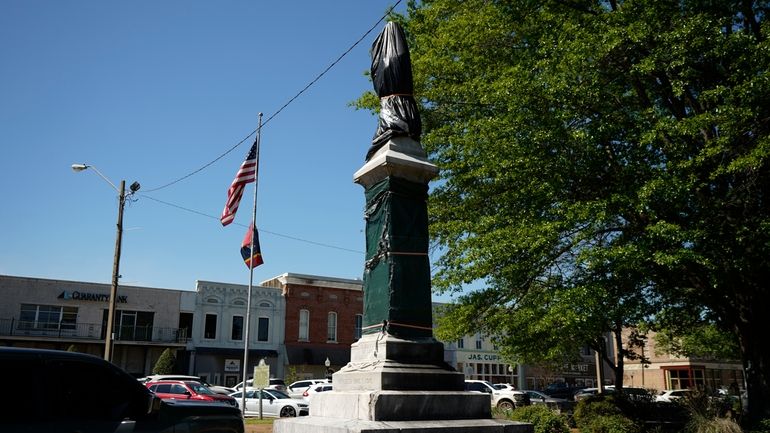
287 411
505 405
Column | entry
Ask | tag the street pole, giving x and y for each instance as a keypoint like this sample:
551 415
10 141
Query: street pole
109 337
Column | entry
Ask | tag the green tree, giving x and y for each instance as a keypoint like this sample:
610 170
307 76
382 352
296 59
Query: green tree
599 160
165 363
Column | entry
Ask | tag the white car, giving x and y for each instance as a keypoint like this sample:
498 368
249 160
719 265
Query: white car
505 387
275 404
276 384
504 399
672 395
296 389
312 390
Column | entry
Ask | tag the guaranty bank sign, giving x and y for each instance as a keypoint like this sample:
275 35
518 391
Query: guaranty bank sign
86 296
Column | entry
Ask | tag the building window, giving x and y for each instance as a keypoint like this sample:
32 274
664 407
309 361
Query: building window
359 326
331 334
47 317
263 329
236 333
130 325
461 343
479 342
210 327
685 377
304 325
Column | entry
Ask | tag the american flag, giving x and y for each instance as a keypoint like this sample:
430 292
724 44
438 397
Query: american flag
247 173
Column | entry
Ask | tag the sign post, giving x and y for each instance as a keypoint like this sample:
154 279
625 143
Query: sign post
261 380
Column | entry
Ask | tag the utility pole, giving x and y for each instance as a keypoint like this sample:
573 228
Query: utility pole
109 337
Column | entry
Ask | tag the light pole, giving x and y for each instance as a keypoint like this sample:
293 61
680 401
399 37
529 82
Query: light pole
328 364
108 336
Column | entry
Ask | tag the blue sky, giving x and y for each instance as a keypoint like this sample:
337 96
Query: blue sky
151 91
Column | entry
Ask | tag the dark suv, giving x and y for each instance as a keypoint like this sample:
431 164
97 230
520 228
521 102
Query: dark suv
58 392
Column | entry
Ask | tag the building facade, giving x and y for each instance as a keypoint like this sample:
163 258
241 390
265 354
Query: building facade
216 345
667 371
324 316
72 315
298 322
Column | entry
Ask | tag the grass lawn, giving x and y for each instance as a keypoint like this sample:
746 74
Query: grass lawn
257 421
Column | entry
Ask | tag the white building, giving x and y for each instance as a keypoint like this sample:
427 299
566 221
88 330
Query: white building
219 333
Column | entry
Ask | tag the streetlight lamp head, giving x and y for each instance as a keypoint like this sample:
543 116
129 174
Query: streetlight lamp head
78 167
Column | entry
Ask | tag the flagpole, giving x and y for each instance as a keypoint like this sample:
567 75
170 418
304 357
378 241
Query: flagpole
251 273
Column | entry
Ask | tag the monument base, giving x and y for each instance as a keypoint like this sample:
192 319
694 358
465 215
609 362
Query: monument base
314 424
401 405
380 362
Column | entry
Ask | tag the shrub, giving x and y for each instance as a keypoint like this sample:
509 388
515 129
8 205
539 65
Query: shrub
595 406
603 414
165 363
709 414
610 424
763 426
543 419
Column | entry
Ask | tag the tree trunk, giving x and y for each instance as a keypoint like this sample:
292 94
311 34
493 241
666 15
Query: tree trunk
756 369
619 361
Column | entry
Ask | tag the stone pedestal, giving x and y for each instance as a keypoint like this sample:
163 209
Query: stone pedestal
397 380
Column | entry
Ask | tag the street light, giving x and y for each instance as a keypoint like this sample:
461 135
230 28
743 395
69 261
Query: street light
109 337
329 372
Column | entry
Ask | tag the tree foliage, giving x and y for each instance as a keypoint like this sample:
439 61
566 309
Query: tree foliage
599 160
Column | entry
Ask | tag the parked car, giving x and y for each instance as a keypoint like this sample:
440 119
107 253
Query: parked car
52 396
216 388
562 390
537 397
672 395
187 390
315 389
589 392
504 399
638 394
274 403
276 384
296 389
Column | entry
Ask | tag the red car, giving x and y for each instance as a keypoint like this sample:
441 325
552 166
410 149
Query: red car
187 390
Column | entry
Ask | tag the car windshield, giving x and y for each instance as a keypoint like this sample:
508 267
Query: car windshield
200 388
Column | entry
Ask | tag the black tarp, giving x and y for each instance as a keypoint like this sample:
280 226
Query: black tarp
392 77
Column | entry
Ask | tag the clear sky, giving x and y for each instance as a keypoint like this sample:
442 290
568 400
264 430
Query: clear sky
151 91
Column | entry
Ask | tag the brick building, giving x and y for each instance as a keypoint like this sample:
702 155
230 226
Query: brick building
323 318
667 371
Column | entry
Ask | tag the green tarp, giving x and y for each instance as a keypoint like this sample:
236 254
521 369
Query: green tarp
397 271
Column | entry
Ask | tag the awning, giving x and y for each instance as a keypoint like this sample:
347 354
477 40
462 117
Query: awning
236 353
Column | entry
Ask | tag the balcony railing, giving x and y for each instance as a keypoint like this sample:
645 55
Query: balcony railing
92 331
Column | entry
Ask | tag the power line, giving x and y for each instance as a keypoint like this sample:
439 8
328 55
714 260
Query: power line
284 105
261 230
